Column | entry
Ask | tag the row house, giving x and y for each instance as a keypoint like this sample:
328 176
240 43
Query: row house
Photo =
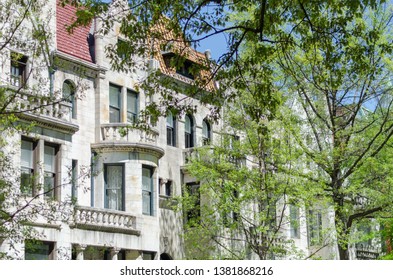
78 152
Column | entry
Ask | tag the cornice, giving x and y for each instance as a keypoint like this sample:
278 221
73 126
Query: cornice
128 147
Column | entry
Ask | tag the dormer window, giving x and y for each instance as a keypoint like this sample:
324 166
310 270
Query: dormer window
183 67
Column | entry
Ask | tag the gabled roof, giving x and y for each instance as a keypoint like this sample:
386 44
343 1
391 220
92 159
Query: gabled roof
75 43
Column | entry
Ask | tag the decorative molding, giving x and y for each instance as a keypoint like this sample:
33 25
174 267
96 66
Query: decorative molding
128 147
51 123
86 68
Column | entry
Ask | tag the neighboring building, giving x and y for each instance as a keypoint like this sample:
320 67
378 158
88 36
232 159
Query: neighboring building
82 149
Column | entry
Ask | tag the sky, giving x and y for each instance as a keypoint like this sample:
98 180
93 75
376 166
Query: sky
216 44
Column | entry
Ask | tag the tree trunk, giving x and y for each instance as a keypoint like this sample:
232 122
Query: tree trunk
343 252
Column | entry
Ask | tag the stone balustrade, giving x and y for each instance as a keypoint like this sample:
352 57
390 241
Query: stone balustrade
44 107
189 154
104 220
122 132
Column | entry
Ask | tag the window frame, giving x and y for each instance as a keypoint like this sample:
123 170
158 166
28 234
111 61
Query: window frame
115 107
19 63
37 244
71 97
294 226
122 189
148 192
315 227
193 214
206 139
134 114
189 135
52 194
31 169
171 130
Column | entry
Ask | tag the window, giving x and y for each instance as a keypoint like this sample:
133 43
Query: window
189 132
114 103
69 96
27 166
231 216
30 156
147 190
294 221
114 186
18 69
186 69
74 179
183 66
170 129
314 227
132 106
193 213
121 49
50 166
39 250
206 133
147 256
165 187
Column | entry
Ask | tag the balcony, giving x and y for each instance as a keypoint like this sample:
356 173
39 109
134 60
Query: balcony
121 137
105 220
122 132
367 252
44 111
205 153
189 154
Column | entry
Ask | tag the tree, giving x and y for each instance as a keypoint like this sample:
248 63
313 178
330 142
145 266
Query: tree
334 60
339 70
243 201
26 92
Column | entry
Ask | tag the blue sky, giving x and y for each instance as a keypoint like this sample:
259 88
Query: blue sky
216 44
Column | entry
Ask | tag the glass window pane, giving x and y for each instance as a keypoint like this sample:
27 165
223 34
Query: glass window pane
169 119
114 96
132 102
114 115
36 250
114 187
187 124
49 184
27 154
146 179
26 181
146 202
205 130
49 158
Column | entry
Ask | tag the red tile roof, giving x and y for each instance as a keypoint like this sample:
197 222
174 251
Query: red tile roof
75 43
179 46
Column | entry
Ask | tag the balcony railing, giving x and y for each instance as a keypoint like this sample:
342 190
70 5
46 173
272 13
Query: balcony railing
366 252
43 107
189 154
104 220
122 132
193 153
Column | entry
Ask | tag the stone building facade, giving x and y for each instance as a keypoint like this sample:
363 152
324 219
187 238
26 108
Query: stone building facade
116 182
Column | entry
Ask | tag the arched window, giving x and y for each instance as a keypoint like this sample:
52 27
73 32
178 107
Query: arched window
69 95
206 133
189 132
170 129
